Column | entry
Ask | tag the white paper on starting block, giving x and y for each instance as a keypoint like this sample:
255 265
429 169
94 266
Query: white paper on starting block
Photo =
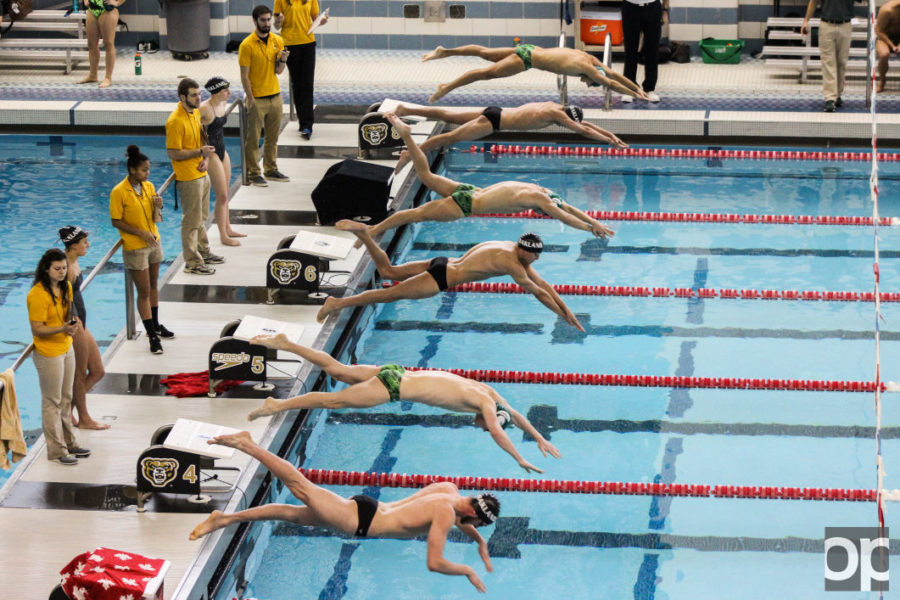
318 22
252 326
191 436
322 244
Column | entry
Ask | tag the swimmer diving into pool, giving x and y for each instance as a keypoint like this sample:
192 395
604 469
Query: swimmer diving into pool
475 124
431 511
372 386
424 279
511 61
460 200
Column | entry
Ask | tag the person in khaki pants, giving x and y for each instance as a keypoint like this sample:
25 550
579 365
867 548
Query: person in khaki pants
52 325
262 57
189 153
834 46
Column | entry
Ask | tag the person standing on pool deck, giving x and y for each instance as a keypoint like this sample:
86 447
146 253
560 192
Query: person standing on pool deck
835 31
190 159
510 61
431 511
424 279
101 20
294 19
372 385
262 57
475 124
643 18
461 200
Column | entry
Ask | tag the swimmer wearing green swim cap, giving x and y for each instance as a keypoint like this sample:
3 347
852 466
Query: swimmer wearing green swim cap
371 386
513 60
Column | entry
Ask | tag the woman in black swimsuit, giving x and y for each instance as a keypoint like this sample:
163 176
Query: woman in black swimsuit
212 115
88 364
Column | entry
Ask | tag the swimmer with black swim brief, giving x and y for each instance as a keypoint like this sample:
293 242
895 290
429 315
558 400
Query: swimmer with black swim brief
426 513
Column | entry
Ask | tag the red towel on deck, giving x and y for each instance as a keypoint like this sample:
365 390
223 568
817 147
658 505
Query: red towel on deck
184 385
107 574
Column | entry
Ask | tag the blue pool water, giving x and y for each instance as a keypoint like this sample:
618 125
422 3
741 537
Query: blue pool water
579 546
50 181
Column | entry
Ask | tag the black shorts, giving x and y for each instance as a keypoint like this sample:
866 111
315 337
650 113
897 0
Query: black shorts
366 507
492 113
437 268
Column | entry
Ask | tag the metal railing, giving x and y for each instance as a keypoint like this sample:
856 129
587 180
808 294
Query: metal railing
607 62
562 80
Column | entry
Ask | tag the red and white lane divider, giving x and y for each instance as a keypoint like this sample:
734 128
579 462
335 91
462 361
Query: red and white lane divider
618 215
683 381
666 292
696 153
505 484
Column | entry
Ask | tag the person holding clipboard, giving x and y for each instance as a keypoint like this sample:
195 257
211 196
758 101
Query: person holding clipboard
297 19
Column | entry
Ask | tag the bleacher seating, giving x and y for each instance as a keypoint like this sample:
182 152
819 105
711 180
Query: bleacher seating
64 49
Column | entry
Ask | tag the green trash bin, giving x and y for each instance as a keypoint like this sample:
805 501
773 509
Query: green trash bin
721 52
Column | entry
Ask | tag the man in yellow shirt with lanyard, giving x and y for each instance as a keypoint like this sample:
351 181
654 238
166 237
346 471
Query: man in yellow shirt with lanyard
262 57
188 153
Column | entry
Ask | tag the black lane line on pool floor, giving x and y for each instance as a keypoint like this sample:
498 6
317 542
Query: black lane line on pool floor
546 420
655 331
336 586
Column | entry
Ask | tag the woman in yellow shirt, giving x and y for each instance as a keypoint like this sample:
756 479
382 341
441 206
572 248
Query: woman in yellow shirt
294 18
52 326
134 207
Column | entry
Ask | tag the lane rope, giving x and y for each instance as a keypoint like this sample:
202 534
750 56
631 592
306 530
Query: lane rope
506 484
680 381
481 287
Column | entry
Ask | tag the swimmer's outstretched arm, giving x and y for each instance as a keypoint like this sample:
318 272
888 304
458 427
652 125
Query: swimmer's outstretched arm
525 425
442 521
591 131
502 439
472 533
546 295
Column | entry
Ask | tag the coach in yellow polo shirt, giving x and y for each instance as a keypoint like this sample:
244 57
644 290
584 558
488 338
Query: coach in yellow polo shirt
262 57
294 18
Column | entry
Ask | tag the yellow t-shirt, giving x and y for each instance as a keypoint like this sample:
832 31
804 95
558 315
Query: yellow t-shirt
137 211
183 133
42 309
297 20
261 58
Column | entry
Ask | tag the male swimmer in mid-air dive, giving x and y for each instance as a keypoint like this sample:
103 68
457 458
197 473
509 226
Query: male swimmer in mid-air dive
424 279
431 511
463 199
510 61
371 386
476 124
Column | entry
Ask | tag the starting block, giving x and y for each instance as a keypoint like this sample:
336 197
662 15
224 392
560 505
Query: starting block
377 137
232 356
179 461
301 260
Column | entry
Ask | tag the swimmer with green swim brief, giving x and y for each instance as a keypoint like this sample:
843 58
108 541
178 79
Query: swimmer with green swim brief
370 385
524 51
98 7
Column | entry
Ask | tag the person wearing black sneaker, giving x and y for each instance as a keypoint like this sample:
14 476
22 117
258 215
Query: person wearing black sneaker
835 32
262 56
295 19
135 208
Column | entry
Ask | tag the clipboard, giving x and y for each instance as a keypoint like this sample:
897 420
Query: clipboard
318 22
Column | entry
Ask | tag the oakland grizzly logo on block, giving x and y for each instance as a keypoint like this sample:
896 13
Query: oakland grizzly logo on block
160 472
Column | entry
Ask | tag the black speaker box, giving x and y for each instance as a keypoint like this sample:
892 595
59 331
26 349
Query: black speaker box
352 189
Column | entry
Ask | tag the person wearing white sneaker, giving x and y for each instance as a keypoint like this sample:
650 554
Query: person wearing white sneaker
643 17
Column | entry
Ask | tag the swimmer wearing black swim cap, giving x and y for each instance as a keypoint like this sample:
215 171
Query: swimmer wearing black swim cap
531 242
575 112
487 508
214 84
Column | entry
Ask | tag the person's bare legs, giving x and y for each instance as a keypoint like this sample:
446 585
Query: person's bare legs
344 373
323 508
92 30
884 55
506 67
491 54
367 394
438 113
226 166
108 22
475 129
88 371
415 288
219 179
379 257
442 210
443 186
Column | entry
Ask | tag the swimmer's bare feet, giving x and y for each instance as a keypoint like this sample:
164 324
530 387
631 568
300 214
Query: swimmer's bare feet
439 52
327 308
275 342
269 407
350 225
401 111
879 87
88 79
440 93
402 128
105 83
89 423
233 233
232 440
216 520
227 241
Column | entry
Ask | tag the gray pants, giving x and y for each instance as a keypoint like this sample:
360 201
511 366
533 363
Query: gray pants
56 375
194 196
